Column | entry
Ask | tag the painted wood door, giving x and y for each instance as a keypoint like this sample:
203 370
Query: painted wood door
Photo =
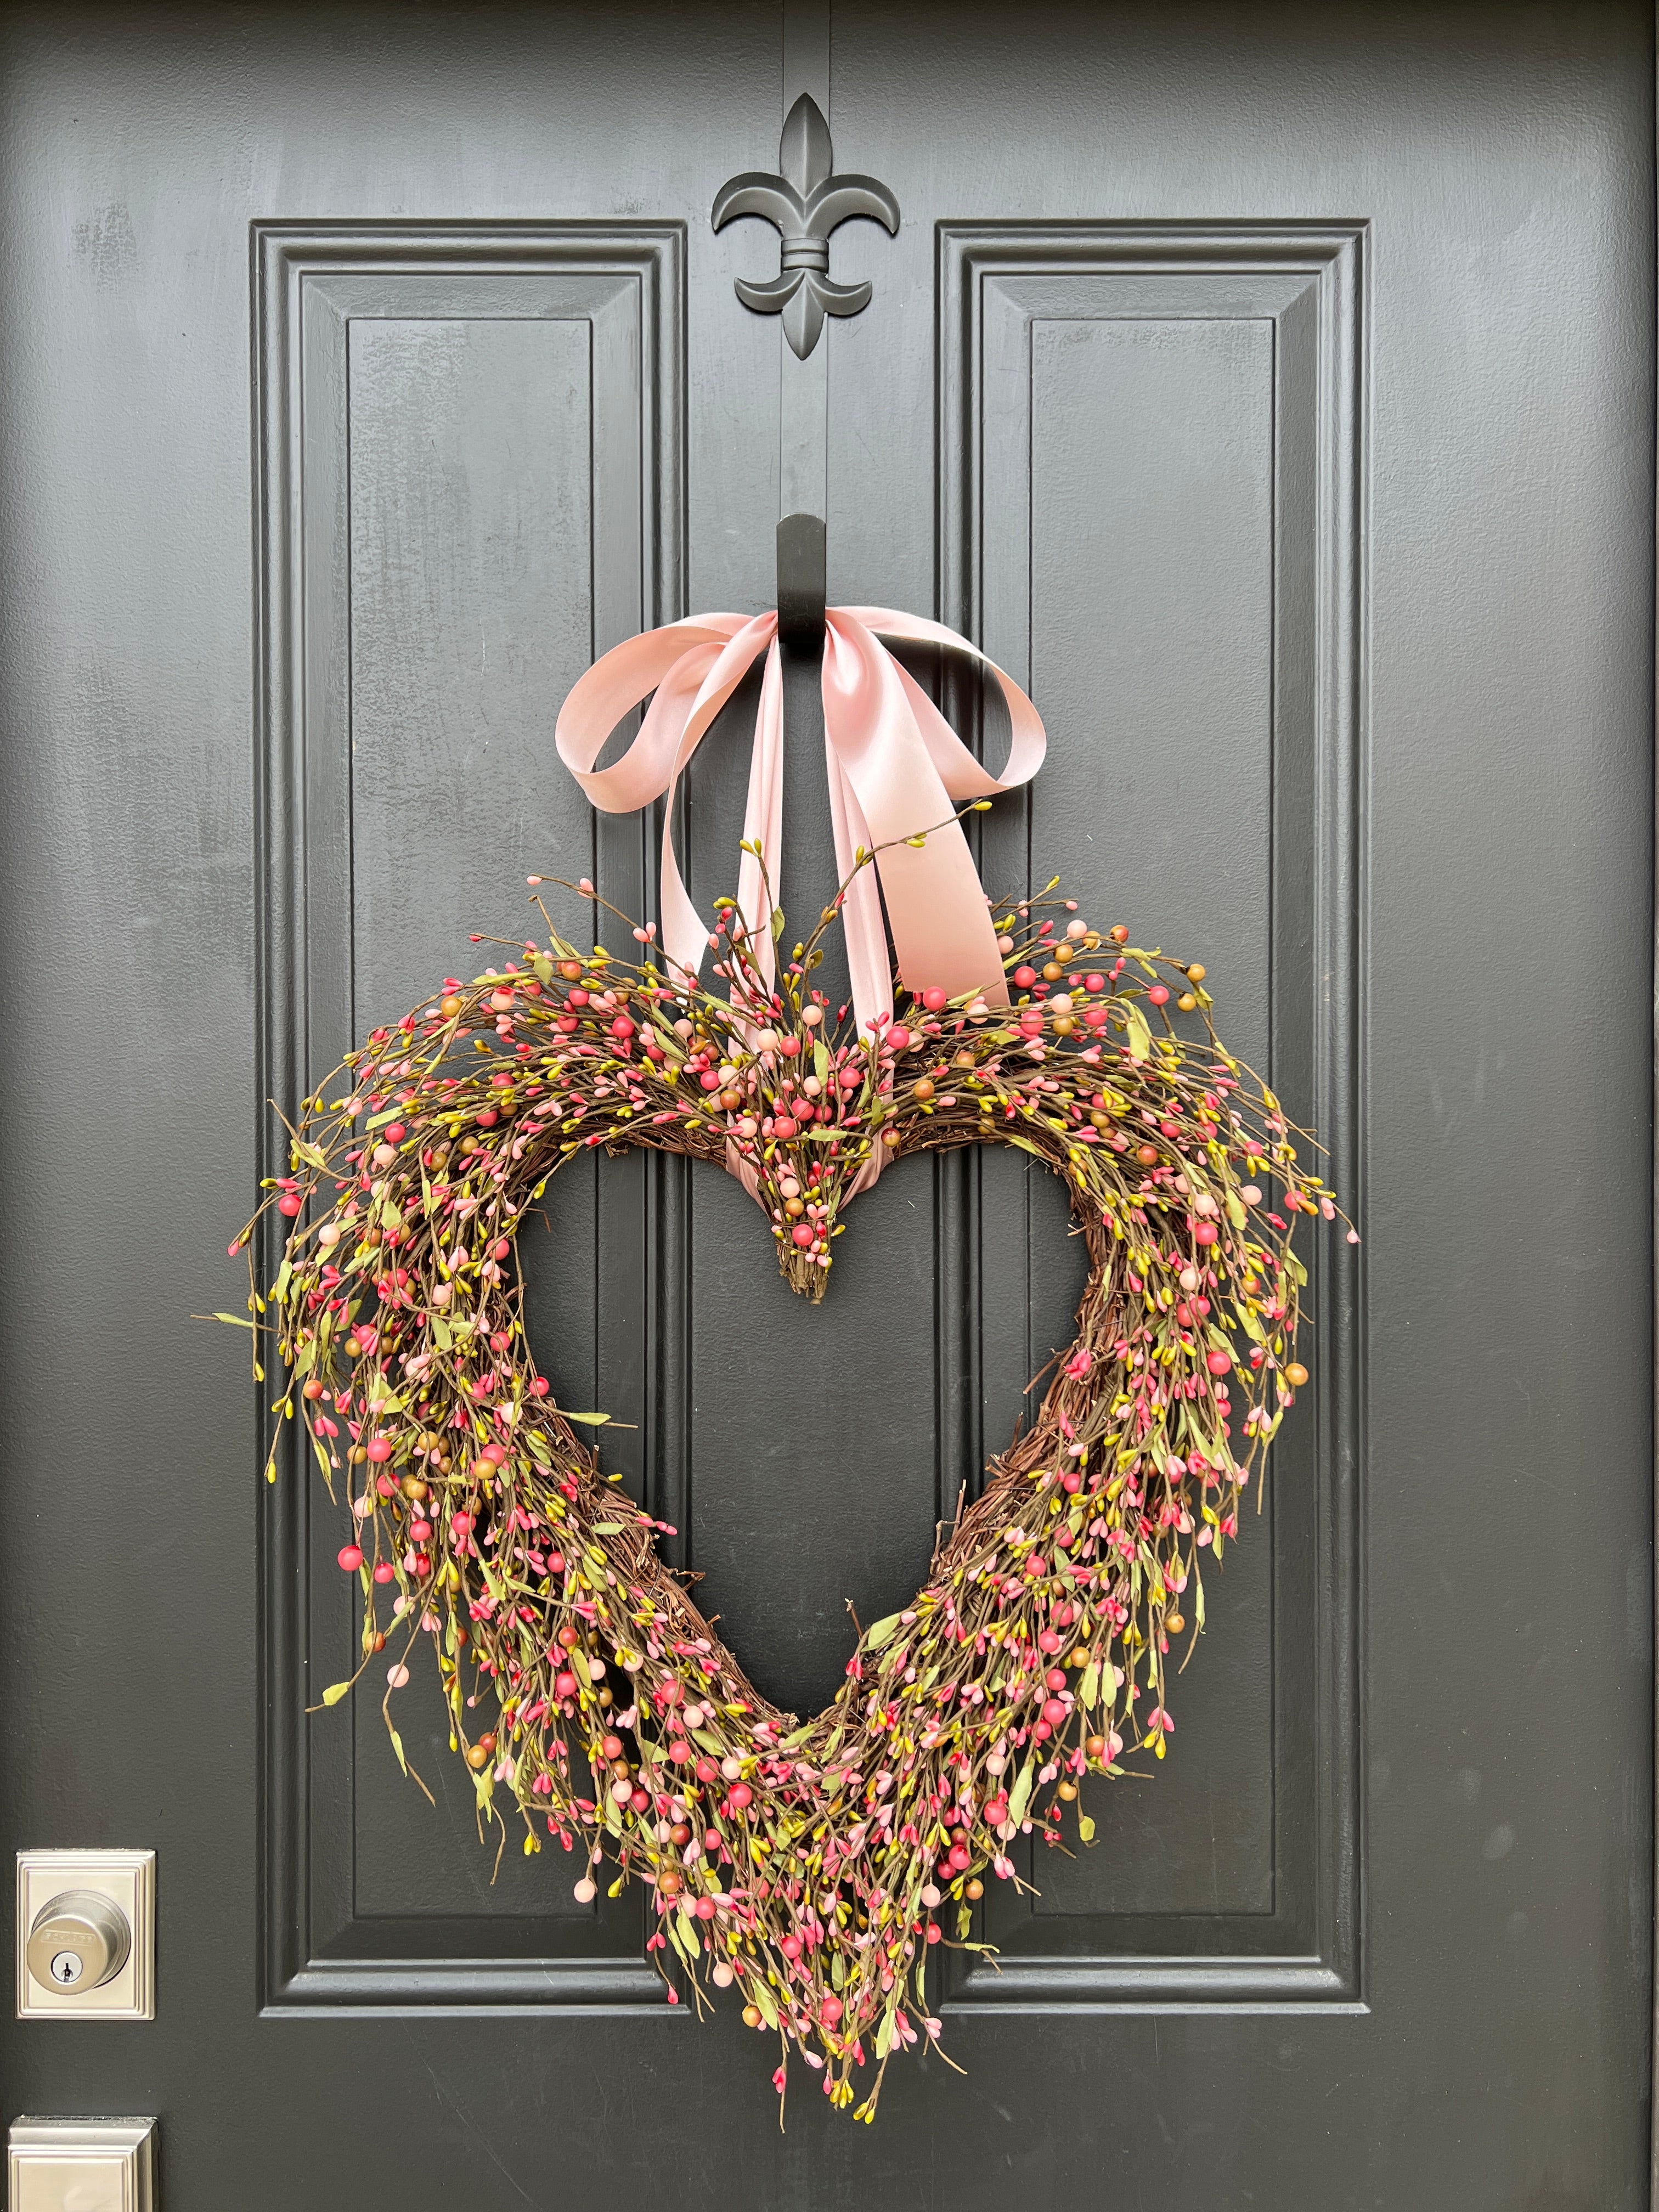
1271 392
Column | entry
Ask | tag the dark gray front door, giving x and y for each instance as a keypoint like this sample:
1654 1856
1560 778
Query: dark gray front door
1271 391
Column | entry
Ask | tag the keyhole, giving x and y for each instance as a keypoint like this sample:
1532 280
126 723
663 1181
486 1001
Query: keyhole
65 1968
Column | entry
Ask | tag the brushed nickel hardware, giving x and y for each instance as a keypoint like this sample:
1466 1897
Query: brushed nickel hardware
79 1940
81 2165
85 1934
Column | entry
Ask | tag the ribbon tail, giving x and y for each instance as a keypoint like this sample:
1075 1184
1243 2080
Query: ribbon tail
935 904
874 1161
863 930
744 1170
941 924
866 932
759 869
684 936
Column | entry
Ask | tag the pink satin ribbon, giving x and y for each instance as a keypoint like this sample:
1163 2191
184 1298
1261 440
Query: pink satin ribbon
896 769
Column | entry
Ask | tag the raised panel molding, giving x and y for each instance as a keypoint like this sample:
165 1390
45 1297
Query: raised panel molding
1304 286
624 285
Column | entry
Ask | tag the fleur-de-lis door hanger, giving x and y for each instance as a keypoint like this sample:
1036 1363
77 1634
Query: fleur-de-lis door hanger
805 204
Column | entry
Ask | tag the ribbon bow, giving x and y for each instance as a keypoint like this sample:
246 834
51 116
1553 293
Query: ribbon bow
896 770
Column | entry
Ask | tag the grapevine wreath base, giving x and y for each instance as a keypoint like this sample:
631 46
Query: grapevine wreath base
810 1864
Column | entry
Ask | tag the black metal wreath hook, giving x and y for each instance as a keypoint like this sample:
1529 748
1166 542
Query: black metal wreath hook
805 204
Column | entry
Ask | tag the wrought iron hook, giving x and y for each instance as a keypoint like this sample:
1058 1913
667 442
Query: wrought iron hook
802 583
805 204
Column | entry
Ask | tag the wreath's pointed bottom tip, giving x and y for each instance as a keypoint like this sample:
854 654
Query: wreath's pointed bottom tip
804 1275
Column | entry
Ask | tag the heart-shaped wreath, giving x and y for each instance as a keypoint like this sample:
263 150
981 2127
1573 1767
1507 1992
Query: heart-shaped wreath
807 1864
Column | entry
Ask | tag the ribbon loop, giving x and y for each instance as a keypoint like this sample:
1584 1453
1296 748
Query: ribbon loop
897 771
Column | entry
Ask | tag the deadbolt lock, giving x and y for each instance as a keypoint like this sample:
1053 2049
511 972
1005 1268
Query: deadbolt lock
79 1940
85 1934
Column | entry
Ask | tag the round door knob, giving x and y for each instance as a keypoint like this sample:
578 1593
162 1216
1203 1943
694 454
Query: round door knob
79 1940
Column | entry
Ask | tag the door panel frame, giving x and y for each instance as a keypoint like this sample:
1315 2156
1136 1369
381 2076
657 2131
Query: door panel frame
1309 284
626 281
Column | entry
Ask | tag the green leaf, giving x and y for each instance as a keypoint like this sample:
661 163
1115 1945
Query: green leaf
1141 1037
762 1997
335 1691
593 1420
1020 1796
236 1321
1089 1688
1085 1827
397 1746
880 1633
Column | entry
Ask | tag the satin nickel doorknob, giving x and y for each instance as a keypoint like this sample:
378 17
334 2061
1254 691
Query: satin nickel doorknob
79 1940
